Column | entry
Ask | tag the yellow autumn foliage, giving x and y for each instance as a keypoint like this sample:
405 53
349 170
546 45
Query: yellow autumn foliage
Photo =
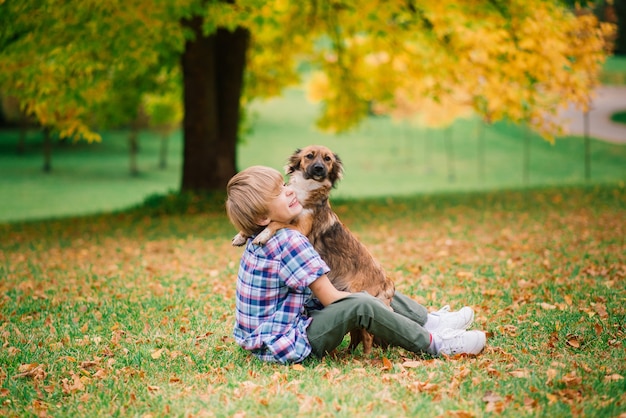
419 60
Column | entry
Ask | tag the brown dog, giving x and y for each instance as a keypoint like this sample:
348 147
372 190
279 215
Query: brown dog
313 172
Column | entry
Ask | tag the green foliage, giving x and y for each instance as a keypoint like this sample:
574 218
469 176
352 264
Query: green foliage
131 314
434 61
619 117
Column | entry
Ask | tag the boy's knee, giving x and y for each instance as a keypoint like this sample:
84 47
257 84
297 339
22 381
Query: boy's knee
366 303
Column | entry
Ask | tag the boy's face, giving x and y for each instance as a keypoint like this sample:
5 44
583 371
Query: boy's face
284 208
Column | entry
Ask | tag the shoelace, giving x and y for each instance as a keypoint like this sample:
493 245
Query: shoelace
450 338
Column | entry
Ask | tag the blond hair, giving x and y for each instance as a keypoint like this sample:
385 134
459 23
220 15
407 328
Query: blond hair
249 194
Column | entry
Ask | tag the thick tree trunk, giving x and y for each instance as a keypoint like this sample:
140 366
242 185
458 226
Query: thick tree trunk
213 69
620 12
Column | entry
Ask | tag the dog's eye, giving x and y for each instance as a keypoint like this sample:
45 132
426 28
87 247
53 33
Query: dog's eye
310 156
327 158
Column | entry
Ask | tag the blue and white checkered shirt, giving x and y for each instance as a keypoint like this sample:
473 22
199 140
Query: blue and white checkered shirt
272 289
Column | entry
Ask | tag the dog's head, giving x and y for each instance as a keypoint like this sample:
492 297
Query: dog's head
316 162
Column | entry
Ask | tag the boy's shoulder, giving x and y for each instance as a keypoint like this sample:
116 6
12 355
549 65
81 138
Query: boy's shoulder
289 233
288 237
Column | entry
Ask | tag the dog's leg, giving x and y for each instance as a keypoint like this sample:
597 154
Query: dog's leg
269 232
239 239
301 223
356 336
368 341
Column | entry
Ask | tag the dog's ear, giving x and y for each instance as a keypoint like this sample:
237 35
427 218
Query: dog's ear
293 164
336 173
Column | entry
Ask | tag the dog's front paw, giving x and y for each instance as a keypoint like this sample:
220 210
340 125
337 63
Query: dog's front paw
263 237
239 240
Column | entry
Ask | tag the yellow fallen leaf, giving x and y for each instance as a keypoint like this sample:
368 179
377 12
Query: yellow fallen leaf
157 353
298 367
411 364
387 364
519 373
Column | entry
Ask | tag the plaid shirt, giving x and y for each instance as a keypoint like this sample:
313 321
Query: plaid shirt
272 289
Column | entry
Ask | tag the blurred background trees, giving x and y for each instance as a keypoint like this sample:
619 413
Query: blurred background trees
77 67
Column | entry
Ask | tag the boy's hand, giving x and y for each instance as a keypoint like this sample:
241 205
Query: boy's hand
326 292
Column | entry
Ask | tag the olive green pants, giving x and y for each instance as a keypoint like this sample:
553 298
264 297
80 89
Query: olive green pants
401 327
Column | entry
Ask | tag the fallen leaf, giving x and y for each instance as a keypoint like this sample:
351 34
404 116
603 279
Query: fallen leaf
72 385
387 365
573 341
571 379
424 386
298 367
33 370
551 375
520 373
491 397
600 309
411 364
460 414
156 354
613 377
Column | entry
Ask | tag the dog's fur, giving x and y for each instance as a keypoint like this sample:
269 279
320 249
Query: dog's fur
313 172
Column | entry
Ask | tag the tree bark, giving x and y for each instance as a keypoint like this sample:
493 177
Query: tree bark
213 68
47 150
133 150
163 151
620 13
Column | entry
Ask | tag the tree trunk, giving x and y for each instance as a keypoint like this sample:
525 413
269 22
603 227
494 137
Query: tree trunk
163 151
47 150
449 154
133 148
526 168
21 142
620 12
213 68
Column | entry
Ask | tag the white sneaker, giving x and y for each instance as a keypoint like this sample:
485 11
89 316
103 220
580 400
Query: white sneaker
443 319
457 341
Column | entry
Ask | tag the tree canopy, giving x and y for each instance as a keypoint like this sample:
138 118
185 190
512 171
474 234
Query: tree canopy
68 62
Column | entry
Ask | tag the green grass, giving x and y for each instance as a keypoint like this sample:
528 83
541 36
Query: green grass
131 314
381 158
614 70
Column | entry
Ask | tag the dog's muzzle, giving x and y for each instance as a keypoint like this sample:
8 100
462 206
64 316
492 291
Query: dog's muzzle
317 171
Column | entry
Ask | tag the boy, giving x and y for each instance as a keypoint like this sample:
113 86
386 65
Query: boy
287 308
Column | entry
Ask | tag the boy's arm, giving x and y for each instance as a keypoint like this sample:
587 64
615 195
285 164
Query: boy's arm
325 291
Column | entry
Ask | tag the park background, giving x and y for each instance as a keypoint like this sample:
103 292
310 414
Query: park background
118 291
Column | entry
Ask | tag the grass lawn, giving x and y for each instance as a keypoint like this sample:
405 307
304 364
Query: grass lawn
614 70
131 314
381 158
